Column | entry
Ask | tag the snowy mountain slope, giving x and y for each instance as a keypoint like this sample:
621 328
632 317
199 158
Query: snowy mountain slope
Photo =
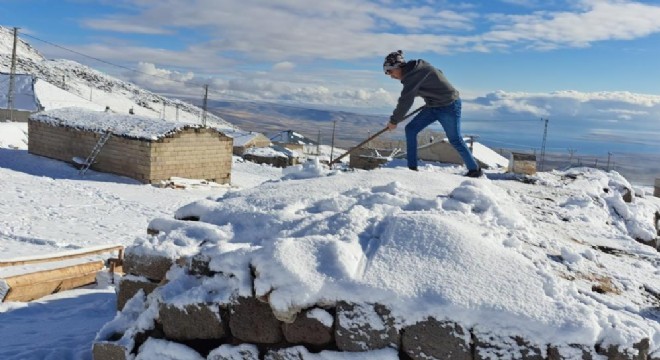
62 82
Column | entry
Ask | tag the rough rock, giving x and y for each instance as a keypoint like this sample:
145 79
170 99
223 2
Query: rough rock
230 352
432 339
571 352
307 330
193 322
640 351
253 321
152 267
491 346
362 327
110 351
129 286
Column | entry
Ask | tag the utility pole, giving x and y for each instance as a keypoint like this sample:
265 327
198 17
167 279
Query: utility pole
545 136
163 117
206 96
318 143
609 157
570 158
12 73
332 147
177 111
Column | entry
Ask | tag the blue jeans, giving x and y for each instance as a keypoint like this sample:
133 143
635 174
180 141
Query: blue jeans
450 118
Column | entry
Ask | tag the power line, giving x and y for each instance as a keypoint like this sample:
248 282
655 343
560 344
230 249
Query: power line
109 63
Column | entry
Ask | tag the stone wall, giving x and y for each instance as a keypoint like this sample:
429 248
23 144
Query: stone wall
276 161
520 163
14 115
194 154
190 153
366 159
250 327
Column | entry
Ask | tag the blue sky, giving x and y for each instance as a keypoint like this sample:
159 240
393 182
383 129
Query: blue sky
588 65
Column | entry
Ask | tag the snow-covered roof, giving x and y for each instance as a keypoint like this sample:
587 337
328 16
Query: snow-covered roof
292 137
130 126
23 95
272 151
241 138
488 156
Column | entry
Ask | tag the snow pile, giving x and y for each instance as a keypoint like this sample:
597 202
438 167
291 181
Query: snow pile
555 262
13 136
310 169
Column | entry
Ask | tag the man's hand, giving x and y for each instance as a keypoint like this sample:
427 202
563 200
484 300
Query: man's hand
391 126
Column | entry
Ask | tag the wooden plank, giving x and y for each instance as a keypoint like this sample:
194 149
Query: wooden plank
65 256
36 291
32 286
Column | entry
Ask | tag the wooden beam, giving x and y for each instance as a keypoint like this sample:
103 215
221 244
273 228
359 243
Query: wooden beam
65 256
34 285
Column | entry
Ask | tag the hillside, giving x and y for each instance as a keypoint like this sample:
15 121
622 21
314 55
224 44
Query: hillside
61 83
271 118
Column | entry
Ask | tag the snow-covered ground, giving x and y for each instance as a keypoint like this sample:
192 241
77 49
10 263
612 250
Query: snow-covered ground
493 252
46 208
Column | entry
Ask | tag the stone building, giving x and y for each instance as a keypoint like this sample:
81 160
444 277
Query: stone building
149 150
248 140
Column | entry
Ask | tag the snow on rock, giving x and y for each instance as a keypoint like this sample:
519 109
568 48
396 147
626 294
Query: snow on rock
556 263
322 316
166 350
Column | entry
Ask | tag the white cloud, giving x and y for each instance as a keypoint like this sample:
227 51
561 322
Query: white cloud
147 75
121 26
354 29
284 66
572 114
595 20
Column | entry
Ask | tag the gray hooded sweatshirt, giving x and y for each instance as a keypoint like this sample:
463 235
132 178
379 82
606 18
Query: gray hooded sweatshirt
421 79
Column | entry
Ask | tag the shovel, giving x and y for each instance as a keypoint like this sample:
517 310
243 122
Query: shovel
332 162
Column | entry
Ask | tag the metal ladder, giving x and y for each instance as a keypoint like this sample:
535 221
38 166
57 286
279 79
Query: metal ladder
95 151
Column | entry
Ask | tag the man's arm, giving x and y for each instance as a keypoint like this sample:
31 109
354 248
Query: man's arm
407 98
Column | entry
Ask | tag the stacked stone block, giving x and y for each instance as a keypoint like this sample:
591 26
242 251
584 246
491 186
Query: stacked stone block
247 328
